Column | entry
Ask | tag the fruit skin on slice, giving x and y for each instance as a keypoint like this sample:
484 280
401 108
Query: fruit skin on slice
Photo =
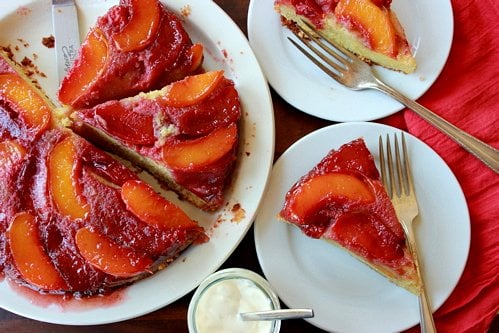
125 123
192 89
152 208
33 111
311 194
63 185
28 254
201 152
88 67
142 28
373 22
110 257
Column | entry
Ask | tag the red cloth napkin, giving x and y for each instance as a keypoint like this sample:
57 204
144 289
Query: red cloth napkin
467 94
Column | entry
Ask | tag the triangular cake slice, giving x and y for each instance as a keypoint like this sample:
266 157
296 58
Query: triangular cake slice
368 28
185 134
342 200
72 218
136 46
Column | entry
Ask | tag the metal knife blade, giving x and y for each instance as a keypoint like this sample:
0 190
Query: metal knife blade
66 33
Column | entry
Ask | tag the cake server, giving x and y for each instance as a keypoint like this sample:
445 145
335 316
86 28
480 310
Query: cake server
66 33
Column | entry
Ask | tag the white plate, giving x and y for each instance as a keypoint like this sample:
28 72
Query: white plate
226 48
428 25
345 294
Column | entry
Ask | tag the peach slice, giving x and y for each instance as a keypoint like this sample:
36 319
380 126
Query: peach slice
63 187
329 187
30 258
142 27
109 257
152 208
373 22
201 151
86 70
32 109
192 89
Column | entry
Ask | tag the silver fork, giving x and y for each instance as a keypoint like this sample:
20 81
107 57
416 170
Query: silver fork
400 188
347 69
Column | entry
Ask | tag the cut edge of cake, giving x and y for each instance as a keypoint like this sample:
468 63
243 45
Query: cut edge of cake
404 62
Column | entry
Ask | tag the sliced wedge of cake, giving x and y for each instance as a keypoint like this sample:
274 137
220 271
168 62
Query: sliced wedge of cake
342 201
185 134
136 46
368 28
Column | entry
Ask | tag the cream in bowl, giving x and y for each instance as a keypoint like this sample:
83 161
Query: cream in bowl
221 297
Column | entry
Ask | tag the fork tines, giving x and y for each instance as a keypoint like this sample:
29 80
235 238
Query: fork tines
309 36
403 184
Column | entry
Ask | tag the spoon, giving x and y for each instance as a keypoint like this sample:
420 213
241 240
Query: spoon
280 314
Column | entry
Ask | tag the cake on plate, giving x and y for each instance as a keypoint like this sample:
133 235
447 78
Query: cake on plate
73 219
368 28
342 201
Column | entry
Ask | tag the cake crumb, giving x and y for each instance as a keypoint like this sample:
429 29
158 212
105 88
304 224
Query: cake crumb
49 41
239 213
186 10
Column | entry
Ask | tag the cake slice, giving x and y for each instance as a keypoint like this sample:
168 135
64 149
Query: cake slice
368 28
73 220
185 134
342 201
136 46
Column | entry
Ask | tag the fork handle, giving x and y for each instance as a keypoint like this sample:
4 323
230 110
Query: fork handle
427 323
484 152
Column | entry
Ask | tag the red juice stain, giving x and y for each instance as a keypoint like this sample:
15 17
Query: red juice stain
69 303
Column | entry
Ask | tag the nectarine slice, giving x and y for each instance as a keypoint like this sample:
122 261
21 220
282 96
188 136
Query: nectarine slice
152 208
10 152
373 22
201 151
125 123
142 27
30 258
197 56
86 70
109 257
32 109
62 183
329 187
192 89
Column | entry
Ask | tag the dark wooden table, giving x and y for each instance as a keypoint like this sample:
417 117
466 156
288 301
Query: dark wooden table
290 126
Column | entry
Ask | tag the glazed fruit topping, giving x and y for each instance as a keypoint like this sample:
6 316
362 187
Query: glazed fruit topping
126 123
64 187
86 70
152 208
372 22
192 89
142 27
108 256
31 108
28 254
200 152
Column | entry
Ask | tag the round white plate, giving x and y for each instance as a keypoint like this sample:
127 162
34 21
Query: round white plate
226 48
345 294
428 25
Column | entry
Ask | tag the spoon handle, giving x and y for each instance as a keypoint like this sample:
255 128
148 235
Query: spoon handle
280 314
